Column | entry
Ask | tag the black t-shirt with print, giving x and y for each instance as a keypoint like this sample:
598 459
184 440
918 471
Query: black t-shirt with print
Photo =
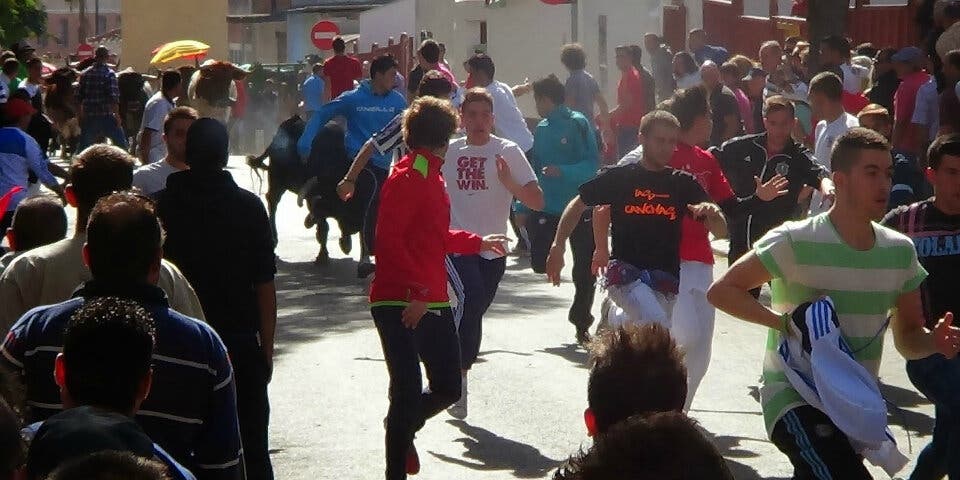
647 209
936 236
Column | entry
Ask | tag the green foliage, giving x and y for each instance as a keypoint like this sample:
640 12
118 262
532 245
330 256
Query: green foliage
20 19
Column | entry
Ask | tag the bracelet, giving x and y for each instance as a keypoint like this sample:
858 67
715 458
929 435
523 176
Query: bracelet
785 319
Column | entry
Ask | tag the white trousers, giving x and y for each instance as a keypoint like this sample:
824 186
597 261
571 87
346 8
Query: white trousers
637 303
693 322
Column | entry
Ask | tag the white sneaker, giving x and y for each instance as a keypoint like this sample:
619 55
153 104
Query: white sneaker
459 410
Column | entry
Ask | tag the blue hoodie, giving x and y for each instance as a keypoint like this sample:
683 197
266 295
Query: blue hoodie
366 114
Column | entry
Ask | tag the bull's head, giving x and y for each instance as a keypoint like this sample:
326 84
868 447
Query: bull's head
62 79
214 83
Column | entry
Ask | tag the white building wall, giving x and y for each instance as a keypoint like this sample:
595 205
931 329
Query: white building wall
378 24
298 33
524 37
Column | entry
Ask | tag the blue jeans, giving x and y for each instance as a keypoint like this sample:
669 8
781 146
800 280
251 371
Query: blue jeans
480 278
92 128
939 380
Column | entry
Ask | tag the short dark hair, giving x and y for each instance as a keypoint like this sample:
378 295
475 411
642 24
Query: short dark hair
687 60
38 221
483 63
207 145
316 68
124 237
13 449
434 84
778 103
10 66
635 369
636 51
886 54
657 117
430 51
666 445
111 465
730 68
573 56
688 104
382 64
97 171
837 43
339 46
847 148
107 349
34 62
170 79
429 123
943 145
477 94
550 87
179 113
697 31
867 49
827 84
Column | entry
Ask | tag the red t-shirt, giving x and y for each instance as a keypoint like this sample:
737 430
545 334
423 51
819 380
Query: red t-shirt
630 85
853 103
695 239
342 71
904 103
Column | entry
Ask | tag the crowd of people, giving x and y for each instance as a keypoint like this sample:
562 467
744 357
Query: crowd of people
141 346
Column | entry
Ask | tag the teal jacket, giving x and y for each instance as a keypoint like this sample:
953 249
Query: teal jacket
565 140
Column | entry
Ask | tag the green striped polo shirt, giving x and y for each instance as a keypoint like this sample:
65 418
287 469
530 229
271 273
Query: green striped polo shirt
807 260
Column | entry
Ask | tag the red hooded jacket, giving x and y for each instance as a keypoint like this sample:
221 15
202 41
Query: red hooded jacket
413 234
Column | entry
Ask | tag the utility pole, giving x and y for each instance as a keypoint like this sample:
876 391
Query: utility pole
96 17
82 30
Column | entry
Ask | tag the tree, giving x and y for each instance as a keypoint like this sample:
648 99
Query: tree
20 19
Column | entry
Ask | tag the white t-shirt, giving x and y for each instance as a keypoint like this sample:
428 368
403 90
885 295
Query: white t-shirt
508 120
479 202
154 114
926 110
854 77
32 88
152 177
826 135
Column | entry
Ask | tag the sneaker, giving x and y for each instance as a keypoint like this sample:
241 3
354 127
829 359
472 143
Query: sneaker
459 410
583 336
309 221
413 460
364 270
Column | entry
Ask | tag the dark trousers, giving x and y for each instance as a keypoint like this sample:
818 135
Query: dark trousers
542 227
378 176
434 342
815 446
480 278
92 128
252 376
939 380
627 140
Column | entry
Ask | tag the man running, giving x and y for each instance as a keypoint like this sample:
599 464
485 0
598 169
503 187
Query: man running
483 173
934 226
826 101
764 156
648 202
367 109
565 154
152 147
866 269
151 178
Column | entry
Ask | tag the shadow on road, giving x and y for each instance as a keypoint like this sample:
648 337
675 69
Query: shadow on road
314 301
570 352
898 400
492 452
733 448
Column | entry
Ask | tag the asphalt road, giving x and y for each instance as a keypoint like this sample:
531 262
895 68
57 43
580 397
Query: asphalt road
527 393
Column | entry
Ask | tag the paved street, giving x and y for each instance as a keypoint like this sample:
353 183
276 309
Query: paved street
527 394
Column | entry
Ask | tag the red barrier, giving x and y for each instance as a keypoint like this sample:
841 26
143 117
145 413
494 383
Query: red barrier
402 51
719 20
675 26
884 26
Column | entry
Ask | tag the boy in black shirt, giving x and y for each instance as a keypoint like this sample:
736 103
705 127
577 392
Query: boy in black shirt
648 201
934 227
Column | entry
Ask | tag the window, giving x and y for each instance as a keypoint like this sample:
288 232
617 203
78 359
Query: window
602 31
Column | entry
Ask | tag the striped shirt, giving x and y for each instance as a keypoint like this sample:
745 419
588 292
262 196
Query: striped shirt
191 410
807 259
390 138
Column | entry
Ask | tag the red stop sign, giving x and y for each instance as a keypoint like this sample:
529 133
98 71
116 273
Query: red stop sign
84 50
323 33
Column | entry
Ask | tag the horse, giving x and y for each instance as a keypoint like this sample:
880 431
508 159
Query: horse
61 106
134 93
328 162
212 90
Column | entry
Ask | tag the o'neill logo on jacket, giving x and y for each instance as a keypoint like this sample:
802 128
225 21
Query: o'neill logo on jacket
376 108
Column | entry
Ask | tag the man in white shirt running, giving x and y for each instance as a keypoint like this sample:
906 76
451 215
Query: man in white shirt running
152 147
483 173
826 94
152 177
508 121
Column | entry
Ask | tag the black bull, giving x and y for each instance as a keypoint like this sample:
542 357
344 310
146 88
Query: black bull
328 162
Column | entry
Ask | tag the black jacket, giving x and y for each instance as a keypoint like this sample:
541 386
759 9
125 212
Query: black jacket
744 158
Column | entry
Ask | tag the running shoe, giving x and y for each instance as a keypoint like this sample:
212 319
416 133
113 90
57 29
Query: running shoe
459 410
